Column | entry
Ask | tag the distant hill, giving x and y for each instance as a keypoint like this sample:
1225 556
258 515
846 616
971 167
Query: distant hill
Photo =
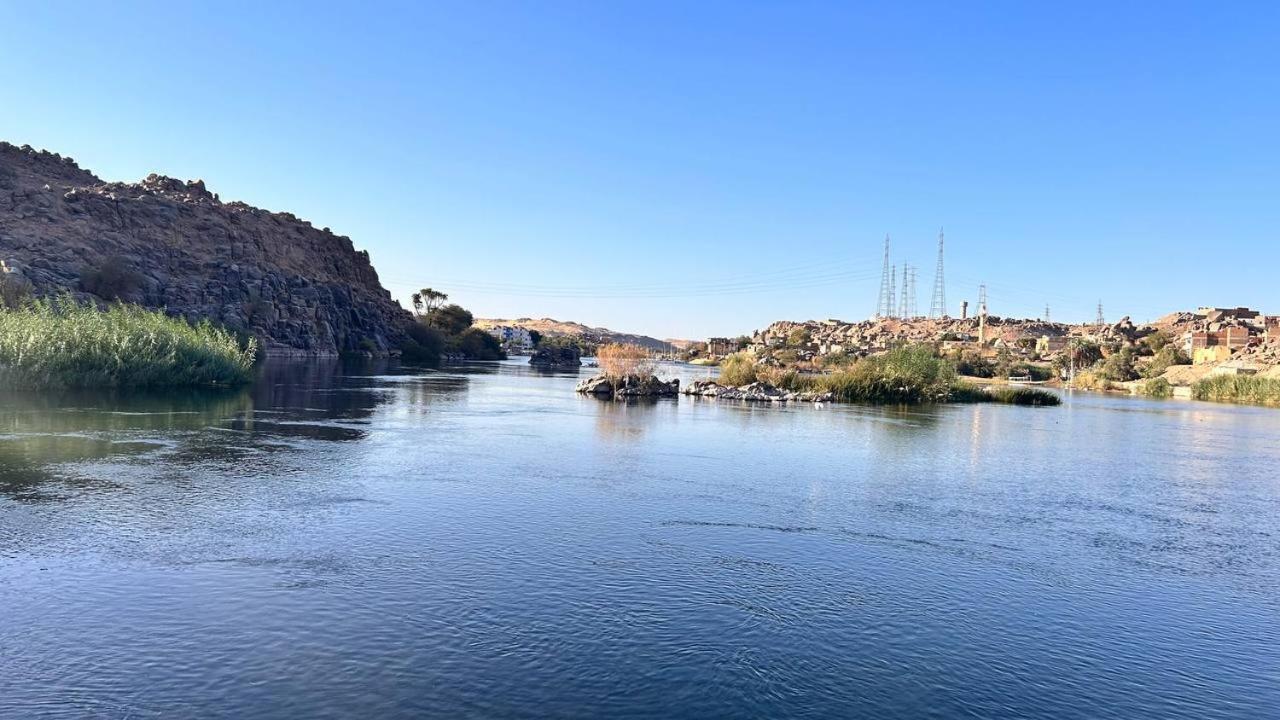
551 328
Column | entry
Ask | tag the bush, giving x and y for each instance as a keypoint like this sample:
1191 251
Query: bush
476 344
838 359
62 343
1090 380
799 337
1118 367
973 364
1157 388
738 369
909 374
422 345
1238 389
1154 343
1167 355
620 361
450 319
114 279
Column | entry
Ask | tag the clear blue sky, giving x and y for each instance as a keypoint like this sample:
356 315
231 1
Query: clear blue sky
689 169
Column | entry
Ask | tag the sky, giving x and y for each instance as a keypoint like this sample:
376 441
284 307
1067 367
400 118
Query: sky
696 169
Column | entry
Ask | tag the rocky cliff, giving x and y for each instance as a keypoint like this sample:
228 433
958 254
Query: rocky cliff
169 244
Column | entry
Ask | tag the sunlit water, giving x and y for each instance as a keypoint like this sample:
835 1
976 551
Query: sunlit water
485 543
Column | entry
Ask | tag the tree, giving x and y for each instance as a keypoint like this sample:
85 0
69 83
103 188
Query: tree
535 337
450 319
427 301
1118 366
1084 352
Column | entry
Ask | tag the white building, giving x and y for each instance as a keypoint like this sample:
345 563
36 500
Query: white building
513 337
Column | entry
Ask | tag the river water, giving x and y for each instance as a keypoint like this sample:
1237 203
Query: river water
361 542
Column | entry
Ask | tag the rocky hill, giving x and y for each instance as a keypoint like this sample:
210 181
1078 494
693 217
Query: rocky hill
165 243
552 328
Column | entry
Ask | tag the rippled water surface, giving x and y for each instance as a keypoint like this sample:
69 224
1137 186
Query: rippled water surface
346 542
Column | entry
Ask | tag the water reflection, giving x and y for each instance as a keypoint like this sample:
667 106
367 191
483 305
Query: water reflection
55 442
627 419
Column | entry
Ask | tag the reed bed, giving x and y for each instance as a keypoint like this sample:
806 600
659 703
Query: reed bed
1247 389
59 342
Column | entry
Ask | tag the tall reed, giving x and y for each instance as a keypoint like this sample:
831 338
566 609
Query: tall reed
1238 389
60 342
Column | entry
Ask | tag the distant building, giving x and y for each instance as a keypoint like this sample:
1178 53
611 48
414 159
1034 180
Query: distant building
721 346
1216 314
513 337
1047 344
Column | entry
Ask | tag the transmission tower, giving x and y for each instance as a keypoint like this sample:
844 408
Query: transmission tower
1101 321
938 309
907 298
884 306
982 300
1046 313
912 310
893 281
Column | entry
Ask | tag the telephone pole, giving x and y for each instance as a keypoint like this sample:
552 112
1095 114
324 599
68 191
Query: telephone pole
982 314
938 308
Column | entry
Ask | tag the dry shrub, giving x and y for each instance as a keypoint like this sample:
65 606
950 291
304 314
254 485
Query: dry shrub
619 360
738 369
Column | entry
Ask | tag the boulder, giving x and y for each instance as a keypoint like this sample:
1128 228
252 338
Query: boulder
604 386
598 385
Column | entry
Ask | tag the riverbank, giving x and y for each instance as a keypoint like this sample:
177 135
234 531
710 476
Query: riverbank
61 343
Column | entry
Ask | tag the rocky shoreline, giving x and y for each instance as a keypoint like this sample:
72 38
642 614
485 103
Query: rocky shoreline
754 392
603 386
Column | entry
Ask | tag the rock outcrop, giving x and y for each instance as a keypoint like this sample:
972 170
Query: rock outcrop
561 357
603 386
755 392
166 243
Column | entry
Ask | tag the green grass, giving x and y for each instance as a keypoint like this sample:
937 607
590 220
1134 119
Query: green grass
62 343
1247 389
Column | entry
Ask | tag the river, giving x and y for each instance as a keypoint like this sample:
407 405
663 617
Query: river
343 541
